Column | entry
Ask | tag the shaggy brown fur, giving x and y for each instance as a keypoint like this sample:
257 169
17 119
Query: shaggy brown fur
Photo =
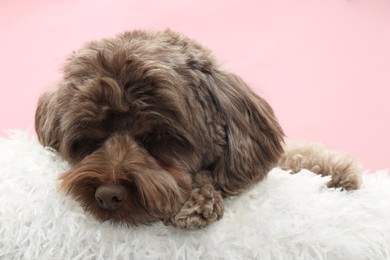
155 130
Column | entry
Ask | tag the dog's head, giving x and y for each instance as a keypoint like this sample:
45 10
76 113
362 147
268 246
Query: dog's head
176 105
121 182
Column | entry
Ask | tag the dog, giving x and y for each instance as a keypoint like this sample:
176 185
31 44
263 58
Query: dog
156 130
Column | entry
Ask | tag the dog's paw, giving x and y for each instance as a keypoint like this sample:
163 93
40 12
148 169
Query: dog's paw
204 206
346 181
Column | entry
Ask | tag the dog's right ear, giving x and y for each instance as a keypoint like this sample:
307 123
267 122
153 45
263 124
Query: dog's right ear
47 119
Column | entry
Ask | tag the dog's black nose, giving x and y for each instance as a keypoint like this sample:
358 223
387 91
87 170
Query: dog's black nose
110 197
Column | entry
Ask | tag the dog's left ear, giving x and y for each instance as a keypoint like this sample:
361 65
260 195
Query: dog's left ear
255 138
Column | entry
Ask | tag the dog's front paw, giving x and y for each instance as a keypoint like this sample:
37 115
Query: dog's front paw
204 206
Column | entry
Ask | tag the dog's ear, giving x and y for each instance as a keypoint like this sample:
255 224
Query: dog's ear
47 118
255 138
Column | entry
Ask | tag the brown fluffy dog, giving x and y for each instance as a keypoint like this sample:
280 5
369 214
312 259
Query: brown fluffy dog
155 129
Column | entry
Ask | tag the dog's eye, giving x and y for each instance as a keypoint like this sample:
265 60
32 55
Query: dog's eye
84 147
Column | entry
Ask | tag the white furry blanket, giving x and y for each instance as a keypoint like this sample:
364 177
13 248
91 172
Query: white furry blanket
285 217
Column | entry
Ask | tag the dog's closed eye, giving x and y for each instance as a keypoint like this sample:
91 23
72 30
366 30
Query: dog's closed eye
83 147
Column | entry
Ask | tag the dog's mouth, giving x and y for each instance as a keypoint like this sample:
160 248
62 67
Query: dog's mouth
118 204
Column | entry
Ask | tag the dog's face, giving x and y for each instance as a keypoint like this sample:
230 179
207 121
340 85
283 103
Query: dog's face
137 114
121 182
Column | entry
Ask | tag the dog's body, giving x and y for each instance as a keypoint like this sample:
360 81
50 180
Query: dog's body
155 129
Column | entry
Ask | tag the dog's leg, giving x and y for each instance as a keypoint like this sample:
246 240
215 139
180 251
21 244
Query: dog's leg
204 206
344 170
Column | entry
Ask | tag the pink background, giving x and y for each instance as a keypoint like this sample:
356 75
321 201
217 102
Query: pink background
324 65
